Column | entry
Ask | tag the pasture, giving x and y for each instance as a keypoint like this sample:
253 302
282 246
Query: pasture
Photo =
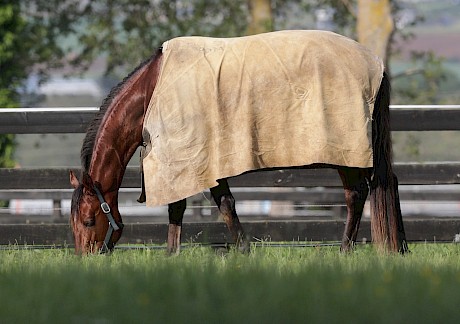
270 285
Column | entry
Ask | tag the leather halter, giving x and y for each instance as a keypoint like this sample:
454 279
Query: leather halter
107 246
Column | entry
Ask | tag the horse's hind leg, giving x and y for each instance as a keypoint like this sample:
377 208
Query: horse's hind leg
176 214
226 203
356 190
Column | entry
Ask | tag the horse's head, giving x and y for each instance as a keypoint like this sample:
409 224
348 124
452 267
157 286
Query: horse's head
95 219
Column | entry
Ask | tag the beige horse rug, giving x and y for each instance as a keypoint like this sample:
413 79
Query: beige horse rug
222 107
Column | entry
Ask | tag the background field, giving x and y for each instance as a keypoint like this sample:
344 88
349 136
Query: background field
270 285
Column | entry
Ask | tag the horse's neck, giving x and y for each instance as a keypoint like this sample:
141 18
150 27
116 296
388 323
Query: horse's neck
116 143
120 132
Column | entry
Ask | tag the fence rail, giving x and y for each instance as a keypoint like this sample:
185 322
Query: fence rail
75 120
408 174
54 183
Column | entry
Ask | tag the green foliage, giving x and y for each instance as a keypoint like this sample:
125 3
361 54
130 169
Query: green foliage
11 26
7 151
29 42
412 147
421 83
128 32
344 14
270 285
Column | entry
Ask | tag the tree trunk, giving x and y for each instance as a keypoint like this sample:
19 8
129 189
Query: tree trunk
261 17
375 26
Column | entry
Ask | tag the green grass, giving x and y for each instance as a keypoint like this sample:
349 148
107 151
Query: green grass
271 285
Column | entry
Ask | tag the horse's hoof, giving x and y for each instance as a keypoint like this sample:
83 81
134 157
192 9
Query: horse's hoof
404 248
347 248
244 247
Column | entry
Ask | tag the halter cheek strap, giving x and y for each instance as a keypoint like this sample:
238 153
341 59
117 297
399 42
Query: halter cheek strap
113 225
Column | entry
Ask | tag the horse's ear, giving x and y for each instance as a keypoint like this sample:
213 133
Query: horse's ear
74 180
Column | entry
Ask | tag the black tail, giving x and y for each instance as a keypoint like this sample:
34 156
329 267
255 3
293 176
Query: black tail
386 219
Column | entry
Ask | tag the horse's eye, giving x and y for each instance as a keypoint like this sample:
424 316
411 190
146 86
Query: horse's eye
90 222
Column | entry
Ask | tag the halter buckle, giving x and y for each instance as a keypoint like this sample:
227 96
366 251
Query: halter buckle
105 207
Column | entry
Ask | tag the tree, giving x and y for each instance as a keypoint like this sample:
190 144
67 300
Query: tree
29 43
37 36
126 32
10 27
261 18
421 83
373 23
30 38
375 26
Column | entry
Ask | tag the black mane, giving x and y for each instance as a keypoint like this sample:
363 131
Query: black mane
93 128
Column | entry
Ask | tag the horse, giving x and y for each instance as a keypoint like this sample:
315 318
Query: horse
117 132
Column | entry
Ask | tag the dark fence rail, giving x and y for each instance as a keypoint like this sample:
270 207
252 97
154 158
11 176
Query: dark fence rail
432 230
75 120
54 183
408 174
45 120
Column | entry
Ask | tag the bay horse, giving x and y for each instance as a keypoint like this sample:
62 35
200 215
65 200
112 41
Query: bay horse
116 132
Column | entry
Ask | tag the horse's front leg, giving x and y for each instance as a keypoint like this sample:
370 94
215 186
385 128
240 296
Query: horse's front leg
226 203
176 214
356 191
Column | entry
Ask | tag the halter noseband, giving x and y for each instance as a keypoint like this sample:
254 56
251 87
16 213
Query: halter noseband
113 225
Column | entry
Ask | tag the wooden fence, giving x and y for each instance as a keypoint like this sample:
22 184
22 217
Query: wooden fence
53 183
